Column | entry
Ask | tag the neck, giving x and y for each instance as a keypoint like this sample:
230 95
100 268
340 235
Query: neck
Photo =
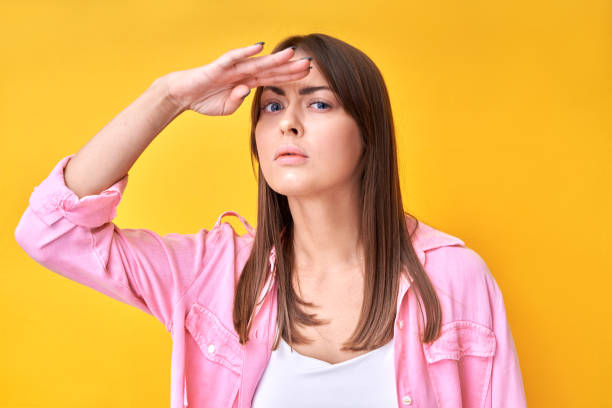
326 235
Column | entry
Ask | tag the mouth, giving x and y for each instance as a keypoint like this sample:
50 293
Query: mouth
289 150
290 158
290 155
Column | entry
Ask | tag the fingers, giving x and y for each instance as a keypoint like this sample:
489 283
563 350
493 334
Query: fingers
254 65
237 61
231 57
265 69
235 99
255 81
290 67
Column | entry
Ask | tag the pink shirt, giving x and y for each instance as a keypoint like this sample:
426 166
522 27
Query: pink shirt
188 281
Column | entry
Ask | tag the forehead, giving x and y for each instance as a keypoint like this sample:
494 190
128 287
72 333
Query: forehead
313 82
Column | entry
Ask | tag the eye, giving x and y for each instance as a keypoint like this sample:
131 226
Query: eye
322 103
269 103
275 106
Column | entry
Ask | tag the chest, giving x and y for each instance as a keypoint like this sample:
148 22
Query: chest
338 303
219 372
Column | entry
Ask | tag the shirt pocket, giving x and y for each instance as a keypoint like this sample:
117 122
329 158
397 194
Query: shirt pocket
460 363
214 358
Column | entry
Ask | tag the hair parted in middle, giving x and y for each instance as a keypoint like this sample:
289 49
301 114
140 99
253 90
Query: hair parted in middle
383 225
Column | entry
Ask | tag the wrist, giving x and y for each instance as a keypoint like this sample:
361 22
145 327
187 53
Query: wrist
161 87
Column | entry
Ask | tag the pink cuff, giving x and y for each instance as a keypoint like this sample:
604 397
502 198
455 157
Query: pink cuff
52 199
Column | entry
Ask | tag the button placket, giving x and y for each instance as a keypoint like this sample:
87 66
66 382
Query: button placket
406 398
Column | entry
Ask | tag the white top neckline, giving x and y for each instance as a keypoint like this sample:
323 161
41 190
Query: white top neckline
324 363
295 380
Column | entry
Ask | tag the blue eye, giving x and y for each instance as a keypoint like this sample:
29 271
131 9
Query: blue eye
270 103
322 106
322 103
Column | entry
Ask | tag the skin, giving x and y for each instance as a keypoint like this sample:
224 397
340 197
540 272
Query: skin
323 192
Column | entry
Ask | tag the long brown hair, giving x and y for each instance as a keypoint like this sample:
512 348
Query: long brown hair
361 90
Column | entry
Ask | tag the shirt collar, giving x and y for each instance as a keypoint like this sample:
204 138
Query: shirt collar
425 238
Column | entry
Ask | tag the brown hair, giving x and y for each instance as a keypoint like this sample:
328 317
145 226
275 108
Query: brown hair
360 88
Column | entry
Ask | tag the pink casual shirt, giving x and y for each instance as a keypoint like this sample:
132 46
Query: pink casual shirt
188 281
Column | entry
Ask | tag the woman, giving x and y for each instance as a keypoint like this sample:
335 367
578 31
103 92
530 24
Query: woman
328 303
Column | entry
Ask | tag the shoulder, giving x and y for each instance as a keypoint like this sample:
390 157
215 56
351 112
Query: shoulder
224 234
223 253
462 279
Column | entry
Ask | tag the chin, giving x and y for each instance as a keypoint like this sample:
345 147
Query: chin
291 189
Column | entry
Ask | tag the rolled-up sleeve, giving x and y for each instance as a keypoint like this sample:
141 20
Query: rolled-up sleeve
76 238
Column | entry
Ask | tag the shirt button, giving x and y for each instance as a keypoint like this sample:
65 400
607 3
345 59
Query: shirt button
211 348
400 323
406 400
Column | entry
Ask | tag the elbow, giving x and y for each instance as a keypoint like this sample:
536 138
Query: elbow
28 237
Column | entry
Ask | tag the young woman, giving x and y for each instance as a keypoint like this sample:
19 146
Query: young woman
339 298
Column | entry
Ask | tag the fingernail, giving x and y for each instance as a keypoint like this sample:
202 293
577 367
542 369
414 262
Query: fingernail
260 42
247 94
308 58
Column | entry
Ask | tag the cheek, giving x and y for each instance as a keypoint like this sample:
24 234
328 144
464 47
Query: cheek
342 147
263 143
265 150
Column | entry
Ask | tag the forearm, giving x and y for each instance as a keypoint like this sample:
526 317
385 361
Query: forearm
111 153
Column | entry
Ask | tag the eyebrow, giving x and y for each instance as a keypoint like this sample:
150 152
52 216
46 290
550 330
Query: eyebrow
303 91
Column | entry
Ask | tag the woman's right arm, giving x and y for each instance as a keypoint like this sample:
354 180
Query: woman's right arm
111 153
214 89
68 228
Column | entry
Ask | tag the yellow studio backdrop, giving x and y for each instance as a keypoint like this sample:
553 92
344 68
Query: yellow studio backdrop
503 122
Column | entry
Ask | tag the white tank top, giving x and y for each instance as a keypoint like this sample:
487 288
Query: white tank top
295 380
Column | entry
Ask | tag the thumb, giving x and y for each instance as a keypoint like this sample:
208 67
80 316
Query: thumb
237 96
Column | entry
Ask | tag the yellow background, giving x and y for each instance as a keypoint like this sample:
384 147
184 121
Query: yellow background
503 118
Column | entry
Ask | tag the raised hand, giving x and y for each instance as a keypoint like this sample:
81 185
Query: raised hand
219 87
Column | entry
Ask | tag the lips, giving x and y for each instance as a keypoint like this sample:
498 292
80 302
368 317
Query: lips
289 151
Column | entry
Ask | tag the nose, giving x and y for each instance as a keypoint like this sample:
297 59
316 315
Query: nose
285 128
290 124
